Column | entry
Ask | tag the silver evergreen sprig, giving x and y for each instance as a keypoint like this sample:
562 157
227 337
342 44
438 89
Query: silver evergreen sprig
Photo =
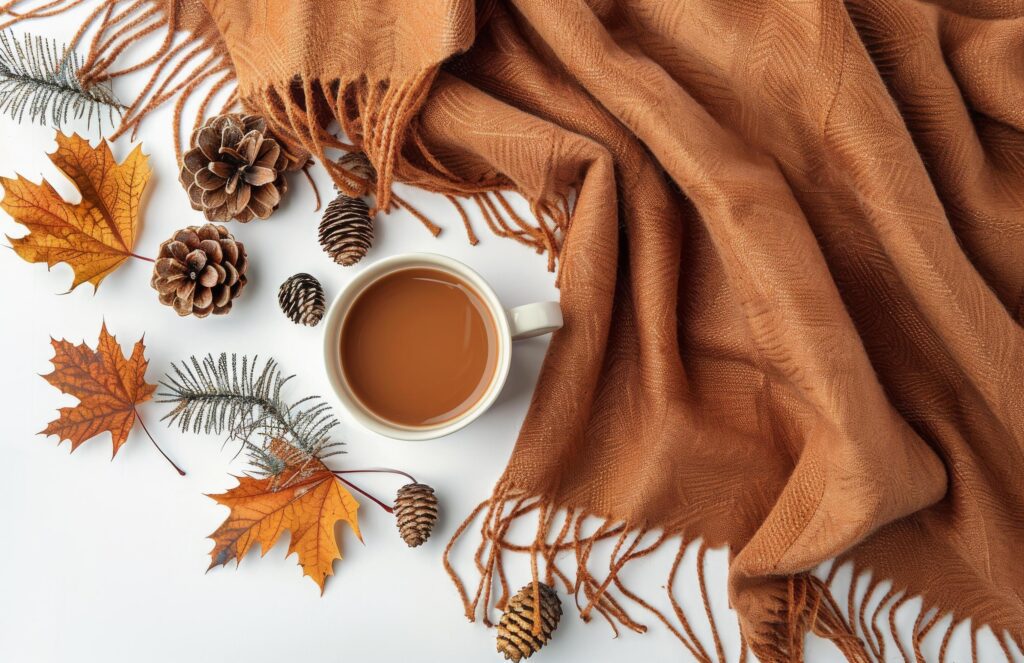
39 76
239 398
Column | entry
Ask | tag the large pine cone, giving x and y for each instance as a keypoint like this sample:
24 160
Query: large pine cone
234 169
515 630
346 231
200 270
415 512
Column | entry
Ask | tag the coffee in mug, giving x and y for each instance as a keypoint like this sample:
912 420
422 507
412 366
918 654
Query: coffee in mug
418 347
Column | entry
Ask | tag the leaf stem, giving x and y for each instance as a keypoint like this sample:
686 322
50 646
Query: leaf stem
139 417
136 255
382 470
360 490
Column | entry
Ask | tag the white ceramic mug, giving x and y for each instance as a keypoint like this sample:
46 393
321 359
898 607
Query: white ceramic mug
513 324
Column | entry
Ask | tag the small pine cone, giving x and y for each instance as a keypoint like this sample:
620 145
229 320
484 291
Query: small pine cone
415 512
515 630
302 299
358 172
200 270
234 169
346 231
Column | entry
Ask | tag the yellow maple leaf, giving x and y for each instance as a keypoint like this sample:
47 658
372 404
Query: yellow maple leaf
306 499
96 235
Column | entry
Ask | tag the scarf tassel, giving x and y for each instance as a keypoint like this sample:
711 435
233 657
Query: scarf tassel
376 116
806 602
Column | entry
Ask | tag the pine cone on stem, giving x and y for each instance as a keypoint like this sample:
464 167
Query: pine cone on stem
234 169
346 231
301 298
415 512
515 630
200 270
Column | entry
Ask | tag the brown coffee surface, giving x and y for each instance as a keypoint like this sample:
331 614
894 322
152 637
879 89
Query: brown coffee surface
418 347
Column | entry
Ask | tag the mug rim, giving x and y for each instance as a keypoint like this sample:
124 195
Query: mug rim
343 301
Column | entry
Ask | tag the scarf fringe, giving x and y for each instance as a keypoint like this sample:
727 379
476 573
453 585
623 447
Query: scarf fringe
177 70
805 604
377 116
380 119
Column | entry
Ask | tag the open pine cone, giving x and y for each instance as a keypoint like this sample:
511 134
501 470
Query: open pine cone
235 170
200 270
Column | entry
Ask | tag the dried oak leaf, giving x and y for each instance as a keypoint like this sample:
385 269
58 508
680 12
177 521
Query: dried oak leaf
306 499
96 235
107 384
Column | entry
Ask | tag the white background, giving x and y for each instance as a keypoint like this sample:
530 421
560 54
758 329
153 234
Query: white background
105 561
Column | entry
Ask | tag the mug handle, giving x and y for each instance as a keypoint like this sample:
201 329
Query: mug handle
534 319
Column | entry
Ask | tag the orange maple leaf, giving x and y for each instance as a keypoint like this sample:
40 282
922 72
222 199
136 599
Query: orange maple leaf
96 235
108 386
306 499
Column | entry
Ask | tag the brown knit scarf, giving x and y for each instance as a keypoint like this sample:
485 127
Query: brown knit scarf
790 243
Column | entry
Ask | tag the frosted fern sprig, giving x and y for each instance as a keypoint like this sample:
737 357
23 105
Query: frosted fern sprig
240 398
39 76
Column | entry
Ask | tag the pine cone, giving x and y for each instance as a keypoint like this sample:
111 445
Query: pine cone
346 231
515 630
235 170
200 270
302 299
415 512
358 172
